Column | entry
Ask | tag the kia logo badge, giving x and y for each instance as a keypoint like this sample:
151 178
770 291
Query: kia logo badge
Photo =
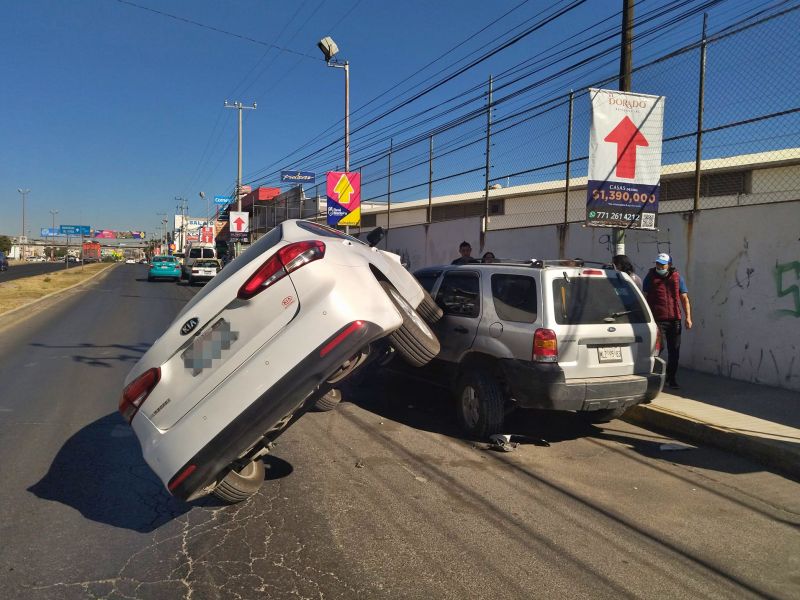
189 326
611 329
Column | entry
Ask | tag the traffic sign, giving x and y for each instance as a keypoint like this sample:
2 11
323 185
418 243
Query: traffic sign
222 200
344 198
83 230
624 159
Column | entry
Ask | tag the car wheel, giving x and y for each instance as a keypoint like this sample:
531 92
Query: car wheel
238 486
429 310
328 402
414 340
602 416
480 405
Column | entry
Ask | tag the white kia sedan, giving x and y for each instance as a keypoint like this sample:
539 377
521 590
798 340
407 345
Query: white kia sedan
259 345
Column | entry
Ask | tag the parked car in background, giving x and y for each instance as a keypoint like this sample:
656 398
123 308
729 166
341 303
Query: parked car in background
554 335
203 269
272 333
196 251
164 267
3 262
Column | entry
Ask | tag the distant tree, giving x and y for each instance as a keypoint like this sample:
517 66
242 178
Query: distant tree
5 244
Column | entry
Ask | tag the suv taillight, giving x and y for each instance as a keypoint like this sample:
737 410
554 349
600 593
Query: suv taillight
545 346
137 392
284 261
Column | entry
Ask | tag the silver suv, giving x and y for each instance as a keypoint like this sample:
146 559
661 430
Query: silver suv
557 335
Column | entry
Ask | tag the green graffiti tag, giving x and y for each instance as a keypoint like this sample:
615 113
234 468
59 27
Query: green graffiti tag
790 290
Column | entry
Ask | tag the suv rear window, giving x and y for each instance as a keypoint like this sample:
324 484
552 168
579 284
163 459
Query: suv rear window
595 300
515 298
459 294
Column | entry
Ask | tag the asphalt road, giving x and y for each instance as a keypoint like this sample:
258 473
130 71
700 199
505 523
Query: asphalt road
380 498
28 269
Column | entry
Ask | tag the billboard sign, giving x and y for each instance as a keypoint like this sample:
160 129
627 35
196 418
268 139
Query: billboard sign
223 200
624 159
50 231
344 198
83 230
298 177
239 225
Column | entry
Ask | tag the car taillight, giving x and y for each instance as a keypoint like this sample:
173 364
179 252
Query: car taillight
545 346
137 392
284 261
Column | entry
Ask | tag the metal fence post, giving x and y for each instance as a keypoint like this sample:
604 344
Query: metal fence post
569 159
698 156
389 194
430 179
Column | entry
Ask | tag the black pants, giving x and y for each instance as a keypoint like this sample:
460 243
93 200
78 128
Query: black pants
671 338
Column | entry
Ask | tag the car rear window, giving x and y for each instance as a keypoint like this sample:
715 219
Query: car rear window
325 231
195 253
427 279
459 294
206 263
208 253
596 300
163 259
515 298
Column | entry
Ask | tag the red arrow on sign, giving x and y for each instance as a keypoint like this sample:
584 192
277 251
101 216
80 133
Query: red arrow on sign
627 137
239 222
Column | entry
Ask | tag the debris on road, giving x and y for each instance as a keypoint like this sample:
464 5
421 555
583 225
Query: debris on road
360 465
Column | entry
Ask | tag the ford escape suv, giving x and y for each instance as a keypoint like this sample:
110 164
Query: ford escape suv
556 335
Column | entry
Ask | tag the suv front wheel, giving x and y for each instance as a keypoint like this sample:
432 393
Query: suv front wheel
480 404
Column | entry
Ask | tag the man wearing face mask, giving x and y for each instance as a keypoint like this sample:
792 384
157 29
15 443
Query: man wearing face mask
666 292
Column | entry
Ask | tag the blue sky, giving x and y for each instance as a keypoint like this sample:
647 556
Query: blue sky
109 111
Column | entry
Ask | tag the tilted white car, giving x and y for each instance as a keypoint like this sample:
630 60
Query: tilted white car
293 315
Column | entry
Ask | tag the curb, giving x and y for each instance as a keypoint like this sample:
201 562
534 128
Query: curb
780 456
61 291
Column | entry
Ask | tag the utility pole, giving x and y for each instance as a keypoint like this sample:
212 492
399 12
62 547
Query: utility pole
625 65
698 154
21 244
182 207
485 227
53 213
164 249
239 106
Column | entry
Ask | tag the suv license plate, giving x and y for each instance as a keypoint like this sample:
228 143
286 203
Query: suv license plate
609 354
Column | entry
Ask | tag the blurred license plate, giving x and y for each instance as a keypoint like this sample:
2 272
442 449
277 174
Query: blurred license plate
209 346
609 354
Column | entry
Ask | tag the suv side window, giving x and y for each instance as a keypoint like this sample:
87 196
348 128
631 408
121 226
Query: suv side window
515 298
459 294
427 279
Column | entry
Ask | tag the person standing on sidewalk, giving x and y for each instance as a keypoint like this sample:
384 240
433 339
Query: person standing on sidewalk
666 292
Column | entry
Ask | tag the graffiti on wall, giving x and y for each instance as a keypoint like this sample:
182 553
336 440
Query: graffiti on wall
787 276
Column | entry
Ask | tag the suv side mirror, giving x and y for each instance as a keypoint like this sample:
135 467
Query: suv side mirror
375 236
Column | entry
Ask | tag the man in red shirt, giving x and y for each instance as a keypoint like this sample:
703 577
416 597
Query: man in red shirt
666 293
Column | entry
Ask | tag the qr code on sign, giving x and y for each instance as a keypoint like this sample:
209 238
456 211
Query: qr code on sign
648 221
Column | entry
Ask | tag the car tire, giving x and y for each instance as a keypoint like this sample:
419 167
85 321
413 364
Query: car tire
429 310
327 402
602 416
480 405
238 486
414 340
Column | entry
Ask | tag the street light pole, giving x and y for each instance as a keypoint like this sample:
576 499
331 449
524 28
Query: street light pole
52 250
22 237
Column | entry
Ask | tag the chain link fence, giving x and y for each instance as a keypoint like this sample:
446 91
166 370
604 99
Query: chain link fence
518 155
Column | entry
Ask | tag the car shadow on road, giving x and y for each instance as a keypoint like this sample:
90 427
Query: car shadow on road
100 472
426 407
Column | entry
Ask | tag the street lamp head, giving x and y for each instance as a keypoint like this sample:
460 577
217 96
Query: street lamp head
202 194
328 47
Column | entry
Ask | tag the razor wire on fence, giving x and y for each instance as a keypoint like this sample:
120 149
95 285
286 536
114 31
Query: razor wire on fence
518 157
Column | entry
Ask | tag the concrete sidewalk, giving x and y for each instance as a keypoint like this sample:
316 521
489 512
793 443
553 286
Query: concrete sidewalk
756 421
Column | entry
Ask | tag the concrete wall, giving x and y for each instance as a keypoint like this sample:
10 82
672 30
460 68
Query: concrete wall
741 265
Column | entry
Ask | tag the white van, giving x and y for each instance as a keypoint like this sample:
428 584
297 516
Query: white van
194 252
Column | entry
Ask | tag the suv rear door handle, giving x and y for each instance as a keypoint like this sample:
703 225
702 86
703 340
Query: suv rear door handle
461 329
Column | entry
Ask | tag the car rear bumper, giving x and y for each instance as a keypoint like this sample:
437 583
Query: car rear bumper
288 394
543 385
